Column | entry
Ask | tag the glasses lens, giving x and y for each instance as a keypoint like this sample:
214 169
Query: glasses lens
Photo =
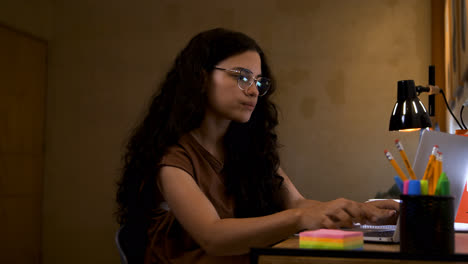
263 84
245 79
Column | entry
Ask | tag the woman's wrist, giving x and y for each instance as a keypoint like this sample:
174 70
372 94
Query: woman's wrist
306 203
298 216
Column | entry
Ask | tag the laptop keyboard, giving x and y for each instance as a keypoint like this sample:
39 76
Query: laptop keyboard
385 233
378 227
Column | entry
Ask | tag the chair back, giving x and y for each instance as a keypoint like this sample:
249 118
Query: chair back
120 245
131 243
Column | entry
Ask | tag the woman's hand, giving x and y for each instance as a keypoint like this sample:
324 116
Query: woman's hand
333 214
375 207
343 213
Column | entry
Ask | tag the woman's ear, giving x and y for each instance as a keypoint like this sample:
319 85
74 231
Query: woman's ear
206 80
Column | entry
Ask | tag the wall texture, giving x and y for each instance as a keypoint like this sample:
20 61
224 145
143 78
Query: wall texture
337 63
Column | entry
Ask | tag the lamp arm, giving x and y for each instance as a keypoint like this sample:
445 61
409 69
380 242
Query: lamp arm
431 89
434 89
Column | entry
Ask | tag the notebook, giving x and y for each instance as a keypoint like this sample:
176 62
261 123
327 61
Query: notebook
455 164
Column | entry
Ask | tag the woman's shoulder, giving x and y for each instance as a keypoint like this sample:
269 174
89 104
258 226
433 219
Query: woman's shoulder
180 150
184 146
191 155
183 154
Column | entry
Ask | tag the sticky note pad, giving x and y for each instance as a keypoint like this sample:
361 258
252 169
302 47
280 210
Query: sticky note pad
331 239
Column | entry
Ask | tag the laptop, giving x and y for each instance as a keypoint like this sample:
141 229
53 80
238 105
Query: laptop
454 149
455 164
380 233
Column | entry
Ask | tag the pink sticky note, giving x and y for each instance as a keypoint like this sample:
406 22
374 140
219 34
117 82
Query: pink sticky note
330 233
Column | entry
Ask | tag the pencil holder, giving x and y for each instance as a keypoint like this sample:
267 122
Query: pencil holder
426 225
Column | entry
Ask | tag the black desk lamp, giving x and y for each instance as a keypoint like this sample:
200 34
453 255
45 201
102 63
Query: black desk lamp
409 113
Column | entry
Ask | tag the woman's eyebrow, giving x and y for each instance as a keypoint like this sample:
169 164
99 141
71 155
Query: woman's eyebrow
242 68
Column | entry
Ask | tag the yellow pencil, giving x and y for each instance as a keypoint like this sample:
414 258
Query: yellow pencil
405 159
437 171
430 177
395 165
430 163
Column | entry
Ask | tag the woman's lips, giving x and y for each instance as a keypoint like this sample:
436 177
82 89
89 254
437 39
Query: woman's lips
249 106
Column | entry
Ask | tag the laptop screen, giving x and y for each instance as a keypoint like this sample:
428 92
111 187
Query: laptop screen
455 164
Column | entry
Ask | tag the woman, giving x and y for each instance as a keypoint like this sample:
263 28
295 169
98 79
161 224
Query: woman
202 181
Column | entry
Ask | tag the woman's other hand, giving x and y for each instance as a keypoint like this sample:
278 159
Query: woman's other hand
333 214
382 212
343 213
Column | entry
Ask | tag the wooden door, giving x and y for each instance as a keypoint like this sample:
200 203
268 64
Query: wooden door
23 81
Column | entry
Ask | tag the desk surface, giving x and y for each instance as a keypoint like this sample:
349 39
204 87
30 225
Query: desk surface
461 244
288 251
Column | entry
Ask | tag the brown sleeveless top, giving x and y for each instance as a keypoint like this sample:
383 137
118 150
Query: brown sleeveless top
168 242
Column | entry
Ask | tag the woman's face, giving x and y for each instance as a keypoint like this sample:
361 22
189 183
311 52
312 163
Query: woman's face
225 99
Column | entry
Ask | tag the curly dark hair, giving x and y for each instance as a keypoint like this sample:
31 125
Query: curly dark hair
251 158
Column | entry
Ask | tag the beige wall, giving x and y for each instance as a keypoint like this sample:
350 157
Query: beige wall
338 66
336 61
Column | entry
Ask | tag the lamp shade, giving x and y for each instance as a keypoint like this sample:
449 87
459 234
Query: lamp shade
409 112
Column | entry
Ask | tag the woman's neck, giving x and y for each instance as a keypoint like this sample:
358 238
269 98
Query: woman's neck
210 135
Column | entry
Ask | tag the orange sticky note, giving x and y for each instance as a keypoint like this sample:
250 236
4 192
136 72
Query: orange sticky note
462 213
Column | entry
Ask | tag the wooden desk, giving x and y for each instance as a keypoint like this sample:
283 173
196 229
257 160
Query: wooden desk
288 251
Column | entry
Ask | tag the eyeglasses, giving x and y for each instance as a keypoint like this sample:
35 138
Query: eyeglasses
245 78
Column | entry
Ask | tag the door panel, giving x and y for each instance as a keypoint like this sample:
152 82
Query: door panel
23 81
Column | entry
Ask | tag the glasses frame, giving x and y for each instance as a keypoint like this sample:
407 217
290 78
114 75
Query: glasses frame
253 79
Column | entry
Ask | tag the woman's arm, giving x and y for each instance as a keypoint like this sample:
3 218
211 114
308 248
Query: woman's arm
217 236
377 212
234 236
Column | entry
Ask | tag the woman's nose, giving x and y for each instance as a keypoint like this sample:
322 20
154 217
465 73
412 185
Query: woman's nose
252 90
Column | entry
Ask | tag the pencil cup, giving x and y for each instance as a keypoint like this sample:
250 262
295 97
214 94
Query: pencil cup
426 225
